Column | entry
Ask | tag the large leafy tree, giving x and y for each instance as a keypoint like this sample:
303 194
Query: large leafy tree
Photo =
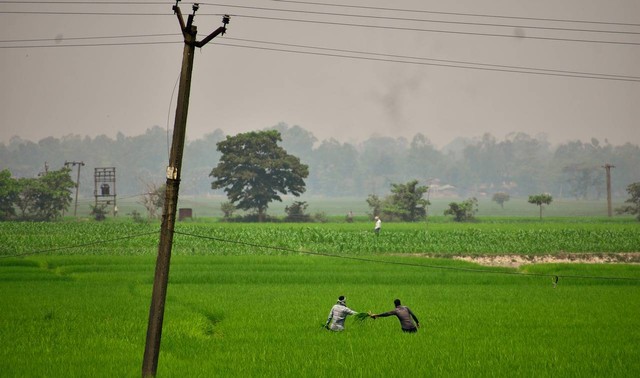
254 170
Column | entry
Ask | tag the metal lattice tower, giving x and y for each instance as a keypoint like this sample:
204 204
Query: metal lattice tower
105 186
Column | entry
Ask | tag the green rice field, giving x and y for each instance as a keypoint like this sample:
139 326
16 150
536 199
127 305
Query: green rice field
248 300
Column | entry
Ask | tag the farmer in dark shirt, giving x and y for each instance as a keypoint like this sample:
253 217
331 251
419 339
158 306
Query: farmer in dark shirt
408 321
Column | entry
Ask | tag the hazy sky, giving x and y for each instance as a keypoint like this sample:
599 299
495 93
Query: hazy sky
411 73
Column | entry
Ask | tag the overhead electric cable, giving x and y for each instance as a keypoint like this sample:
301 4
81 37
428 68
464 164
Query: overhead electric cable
337 24
91 44
399 28
431 266
87 38
429 64
86 2
79 245
459 13
61 13
426 20
382 58
435 60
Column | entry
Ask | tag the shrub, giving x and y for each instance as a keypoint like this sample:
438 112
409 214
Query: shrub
296 212
464 211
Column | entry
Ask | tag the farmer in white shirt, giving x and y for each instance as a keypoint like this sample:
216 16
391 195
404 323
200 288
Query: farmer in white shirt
337 315
378 225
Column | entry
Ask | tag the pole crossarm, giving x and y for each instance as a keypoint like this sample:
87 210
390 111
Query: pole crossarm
188 28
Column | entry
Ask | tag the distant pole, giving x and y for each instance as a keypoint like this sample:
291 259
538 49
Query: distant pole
73 164
158 297
608 167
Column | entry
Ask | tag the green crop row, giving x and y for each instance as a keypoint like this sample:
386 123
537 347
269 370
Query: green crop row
128 238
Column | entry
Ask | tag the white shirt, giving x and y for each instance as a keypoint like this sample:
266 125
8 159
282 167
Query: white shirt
337 315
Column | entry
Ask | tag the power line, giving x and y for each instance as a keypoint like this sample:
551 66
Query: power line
431 266
425 20
545 19
91 45
87 38
398 28
459 13
586 76
87 2
390 58
306 252
79 245
365 25
439 60
61 13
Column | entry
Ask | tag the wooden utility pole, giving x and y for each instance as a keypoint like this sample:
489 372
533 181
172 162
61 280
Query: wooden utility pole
608 167
73 164
156 310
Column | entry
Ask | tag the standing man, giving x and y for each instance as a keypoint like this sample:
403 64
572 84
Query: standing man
378 225
408 321
338 314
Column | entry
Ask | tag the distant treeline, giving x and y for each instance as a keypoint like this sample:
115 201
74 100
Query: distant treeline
519 165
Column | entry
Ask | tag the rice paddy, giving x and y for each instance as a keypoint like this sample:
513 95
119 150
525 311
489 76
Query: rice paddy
247 300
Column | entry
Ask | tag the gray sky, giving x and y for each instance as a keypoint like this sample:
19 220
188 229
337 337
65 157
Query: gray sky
92 90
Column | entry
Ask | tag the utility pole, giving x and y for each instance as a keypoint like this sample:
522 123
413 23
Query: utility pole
73 164
158 297
608 167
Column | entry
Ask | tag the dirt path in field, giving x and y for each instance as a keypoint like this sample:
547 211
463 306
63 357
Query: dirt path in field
580 258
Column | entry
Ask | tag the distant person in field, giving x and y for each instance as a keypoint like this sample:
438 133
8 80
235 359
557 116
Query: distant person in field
378 225
408 321
338 314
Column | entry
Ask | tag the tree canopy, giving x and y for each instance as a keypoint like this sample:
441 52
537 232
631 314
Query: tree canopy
405 203
254 170
541 199
633 201
42 198
464 211
9 191
517 164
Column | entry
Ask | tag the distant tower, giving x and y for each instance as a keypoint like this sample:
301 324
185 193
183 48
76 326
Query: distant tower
105 187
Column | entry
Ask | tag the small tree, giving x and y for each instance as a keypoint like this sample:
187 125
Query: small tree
296 212
633 201
406 202
500 198
375 203
463 211
99 211
541 199
227 209
153 199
